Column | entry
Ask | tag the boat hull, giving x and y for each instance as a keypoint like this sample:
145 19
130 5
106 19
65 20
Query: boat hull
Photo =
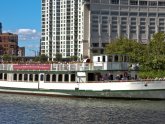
122 90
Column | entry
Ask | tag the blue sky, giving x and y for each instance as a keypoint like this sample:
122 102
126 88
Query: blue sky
22 17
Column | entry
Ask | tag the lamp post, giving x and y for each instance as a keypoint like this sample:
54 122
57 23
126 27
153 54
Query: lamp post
35 52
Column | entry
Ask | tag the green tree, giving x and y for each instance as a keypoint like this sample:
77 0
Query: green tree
6 58
157 44
43 58
156 52
74 58
124 45
59 57
150 56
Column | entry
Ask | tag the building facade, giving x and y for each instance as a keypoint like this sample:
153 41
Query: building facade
21 51
84 27
62 28
8 44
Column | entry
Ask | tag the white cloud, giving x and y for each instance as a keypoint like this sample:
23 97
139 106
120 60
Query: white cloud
28 34
26 31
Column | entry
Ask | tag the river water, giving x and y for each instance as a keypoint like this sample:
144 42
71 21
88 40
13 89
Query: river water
23 109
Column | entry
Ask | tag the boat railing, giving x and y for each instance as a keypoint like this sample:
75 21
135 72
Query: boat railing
51 67
6 67
74 67
77 66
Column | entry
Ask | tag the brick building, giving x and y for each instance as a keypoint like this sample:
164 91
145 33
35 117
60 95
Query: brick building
9 44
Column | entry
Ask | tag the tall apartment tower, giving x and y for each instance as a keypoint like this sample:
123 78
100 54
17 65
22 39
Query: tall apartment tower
85 27
62 28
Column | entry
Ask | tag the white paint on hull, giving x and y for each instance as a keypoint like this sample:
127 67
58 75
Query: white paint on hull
113 86
153 90
31 85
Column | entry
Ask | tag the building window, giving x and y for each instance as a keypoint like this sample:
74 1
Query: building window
133 2
161 3
124 13
114 1
114 13
143 3
105 12
95 12
133 14
152 3
152 14
143 14
161 14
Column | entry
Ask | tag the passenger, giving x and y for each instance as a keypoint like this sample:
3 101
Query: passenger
109 77
105 77
117 77
100 77
124 78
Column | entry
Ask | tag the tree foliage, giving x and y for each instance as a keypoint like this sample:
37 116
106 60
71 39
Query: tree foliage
150 56
58 57
43 58
123 45
6 57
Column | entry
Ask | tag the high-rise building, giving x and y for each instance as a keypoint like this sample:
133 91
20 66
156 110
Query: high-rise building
84 27
0 28
62 28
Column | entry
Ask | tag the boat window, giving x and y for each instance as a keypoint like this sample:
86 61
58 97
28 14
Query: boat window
91 77
125 58
66 77
98 59
103 58
53 77
116 58
110 59
72 77
48 77
31 77
5 76
20 77
15 77
1 76
60 77
36 77
121 58
42 77
25 77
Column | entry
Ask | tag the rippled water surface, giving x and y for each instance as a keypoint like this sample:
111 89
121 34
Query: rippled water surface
20 109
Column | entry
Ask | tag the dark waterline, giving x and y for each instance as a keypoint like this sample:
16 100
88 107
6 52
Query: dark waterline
22 109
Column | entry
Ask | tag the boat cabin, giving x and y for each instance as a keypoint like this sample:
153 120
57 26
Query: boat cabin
111 62
107 68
